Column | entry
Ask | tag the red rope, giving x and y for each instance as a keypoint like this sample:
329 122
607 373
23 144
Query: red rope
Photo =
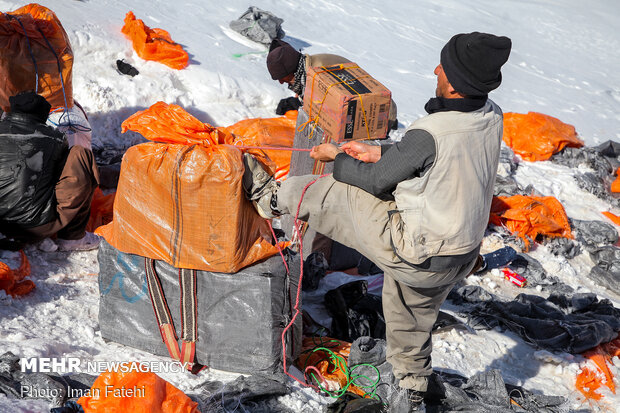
301 275
273 148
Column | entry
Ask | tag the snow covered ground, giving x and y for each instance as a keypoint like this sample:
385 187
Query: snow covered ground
564 63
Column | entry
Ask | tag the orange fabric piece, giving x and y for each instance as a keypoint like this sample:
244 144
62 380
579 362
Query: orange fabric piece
321 360
279 132
530 216
614 218
615 185
154 44
135 392
12 281
536 136
588 381
101 210
17 69
182 201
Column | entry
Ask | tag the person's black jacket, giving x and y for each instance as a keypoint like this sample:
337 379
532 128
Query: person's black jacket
32 156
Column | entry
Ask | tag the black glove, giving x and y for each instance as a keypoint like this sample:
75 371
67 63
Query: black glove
287 104
126 69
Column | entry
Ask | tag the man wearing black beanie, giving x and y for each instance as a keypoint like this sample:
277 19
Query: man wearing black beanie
45 187
418 208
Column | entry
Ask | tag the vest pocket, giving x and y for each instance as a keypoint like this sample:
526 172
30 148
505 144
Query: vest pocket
409 247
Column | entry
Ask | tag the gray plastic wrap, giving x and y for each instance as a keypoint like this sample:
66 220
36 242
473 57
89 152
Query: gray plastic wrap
241 316
258 25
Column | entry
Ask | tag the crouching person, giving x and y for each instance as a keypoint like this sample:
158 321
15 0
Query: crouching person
45 188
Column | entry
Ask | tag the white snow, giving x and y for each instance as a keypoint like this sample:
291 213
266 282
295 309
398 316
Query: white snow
564 63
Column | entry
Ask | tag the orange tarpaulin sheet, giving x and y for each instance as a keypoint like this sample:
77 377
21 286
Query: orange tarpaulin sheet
615 185
536 136
614 218
101 210
182 201
278 132
589 381
321 360
24 36
12 281
135 392
154 44
530 216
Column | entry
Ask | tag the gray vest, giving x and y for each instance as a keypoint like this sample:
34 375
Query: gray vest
446 211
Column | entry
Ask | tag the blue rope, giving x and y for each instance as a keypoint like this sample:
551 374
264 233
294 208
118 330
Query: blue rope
34 61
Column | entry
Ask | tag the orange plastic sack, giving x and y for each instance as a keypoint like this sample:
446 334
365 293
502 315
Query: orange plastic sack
184 204
530 216
615 185
332 371
135 392
536 136
22 31
278 132
589 381
12 281
101 210
614 218
154 44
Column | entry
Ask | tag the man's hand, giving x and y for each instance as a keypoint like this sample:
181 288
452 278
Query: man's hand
362 151
325 152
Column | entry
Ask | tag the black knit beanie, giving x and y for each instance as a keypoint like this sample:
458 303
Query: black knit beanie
31 103
472 62
282 59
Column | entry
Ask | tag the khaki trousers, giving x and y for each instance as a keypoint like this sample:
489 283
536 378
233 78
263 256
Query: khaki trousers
411 298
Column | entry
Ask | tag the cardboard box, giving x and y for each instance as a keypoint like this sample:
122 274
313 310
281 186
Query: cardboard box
346 102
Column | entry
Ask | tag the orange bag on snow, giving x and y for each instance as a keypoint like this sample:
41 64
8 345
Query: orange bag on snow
135 392
279 132
530 216
22 31
589 381
536 136
154 44
12 281
183 202
614 218
615 185
101 210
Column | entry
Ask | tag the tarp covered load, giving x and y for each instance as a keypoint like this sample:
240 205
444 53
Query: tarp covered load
182 201
536 136
135 392
274 132
258 25
530 216
35 51
154 44
240 317
12 281
101 210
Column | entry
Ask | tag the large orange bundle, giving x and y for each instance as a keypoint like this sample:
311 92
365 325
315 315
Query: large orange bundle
275 132
26 60
154 44
536 136
183 202
135 392
530 216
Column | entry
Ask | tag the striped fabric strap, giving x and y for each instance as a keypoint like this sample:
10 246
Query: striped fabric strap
189 315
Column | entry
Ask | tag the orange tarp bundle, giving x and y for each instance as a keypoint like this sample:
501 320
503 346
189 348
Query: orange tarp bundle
12 281
536 136
101 210
135 392
182 201
275 132
530 216
154 44
333 376
615 185
24 36
589 381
